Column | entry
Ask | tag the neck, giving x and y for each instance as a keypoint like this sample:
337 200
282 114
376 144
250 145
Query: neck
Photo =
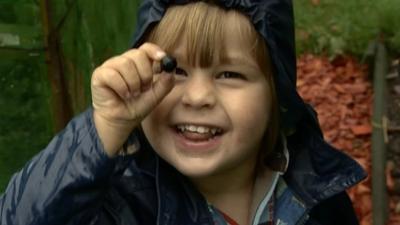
228 190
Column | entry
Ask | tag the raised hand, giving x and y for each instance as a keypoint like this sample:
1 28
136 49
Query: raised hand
125 89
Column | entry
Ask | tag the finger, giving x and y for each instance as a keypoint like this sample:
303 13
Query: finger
128 71
153 51
143 66
156 67
110 78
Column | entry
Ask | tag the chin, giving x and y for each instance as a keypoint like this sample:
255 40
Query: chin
196 170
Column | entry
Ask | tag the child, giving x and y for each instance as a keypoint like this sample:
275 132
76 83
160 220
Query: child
223 139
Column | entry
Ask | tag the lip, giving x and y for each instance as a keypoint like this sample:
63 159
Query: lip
188 145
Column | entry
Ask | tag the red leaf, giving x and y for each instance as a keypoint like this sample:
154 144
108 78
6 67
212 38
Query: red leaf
361 129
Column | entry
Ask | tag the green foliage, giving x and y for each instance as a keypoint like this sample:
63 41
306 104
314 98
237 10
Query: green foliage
24 109
389 24
91 33
24 123
342 26
19 11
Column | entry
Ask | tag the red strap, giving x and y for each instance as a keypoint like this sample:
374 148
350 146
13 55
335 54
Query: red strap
228 219
270 209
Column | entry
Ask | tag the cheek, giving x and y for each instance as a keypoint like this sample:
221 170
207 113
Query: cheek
250 113
156 134
160 114
150 130
154 124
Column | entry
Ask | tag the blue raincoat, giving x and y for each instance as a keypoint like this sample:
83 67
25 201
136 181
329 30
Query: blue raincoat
73 181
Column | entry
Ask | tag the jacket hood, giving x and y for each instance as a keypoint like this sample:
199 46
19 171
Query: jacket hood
274 20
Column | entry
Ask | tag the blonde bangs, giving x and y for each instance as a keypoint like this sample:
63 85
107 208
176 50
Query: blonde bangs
203 27
199 25
248 34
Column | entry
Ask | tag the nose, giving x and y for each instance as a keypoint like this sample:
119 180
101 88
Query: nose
199 92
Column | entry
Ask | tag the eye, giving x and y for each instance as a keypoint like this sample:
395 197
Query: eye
180 72
230 75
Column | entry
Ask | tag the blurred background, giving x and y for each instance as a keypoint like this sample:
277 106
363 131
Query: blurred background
49 48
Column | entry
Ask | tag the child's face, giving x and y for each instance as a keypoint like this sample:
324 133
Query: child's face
231 98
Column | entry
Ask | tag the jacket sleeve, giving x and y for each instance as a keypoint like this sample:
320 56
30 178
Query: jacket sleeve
68 178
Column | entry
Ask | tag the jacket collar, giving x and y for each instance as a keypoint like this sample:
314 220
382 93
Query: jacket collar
314 174
317 170
179 202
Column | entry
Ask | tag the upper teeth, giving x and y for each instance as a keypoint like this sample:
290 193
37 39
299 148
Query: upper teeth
199 129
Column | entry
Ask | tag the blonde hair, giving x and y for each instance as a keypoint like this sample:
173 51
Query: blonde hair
203 28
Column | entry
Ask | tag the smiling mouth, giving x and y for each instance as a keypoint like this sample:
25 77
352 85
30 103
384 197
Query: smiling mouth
198 133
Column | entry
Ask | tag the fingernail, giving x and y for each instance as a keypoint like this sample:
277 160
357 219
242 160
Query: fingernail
160 54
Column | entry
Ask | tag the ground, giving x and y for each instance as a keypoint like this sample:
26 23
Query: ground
341 92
